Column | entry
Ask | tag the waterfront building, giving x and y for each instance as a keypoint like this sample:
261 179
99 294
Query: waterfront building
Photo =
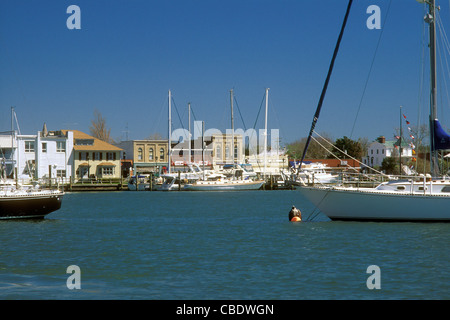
47 154
94 158
146 155
216 152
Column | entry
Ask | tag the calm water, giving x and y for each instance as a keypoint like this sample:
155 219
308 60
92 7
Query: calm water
224 245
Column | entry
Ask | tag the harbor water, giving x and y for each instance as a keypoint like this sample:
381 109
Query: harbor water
216 245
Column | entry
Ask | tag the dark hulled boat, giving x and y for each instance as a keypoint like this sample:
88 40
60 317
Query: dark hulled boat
27 203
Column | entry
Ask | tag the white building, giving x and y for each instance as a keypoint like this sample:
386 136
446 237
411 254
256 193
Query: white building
47 154
380 149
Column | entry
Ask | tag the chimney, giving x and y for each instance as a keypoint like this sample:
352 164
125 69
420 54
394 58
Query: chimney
381 139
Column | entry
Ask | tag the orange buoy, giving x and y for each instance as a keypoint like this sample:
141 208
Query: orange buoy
296 219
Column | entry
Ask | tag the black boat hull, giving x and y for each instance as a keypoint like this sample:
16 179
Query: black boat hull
29 207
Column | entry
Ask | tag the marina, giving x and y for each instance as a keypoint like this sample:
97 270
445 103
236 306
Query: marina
131 197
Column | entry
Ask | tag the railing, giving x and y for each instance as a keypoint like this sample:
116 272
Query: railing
357 180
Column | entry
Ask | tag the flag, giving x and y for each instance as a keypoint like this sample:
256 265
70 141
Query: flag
407 122
404 116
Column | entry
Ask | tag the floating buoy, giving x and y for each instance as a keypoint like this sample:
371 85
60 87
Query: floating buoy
295 215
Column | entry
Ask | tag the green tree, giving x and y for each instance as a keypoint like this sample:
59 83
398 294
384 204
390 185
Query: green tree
351 147
390 165
315 150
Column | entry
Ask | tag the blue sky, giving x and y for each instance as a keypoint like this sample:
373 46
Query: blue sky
128 54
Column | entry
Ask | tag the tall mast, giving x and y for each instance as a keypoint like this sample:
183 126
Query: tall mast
189 120
430 18
232 125
170 132
401 136
265 132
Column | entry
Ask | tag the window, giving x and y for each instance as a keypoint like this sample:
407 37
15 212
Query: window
150 154
218 152
60 146
44 147
97 156
107 171
84 142
61 173
29 146
140 154
161 153
84 155
111 156
235 151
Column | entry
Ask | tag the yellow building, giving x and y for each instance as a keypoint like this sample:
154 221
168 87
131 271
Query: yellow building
94 158
147 155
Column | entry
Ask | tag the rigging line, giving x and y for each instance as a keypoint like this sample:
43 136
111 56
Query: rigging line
445 44
442 76
325 86
179 118
370 69
237 105
350 167
315 213
343 152
258 161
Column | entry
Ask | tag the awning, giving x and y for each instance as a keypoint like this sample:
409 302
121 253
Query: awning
106 164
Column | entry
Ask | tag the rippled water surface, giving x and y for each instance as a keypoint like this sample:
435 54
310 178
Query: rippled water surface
216 245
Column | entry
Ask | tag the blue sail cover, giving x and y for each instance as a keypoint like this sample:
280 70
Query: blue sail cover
441 138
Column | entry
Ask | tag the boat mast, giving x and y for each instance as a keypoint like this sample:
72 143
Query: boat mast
189 120
327 80
232 126
265 132
170 132
400 147
430 18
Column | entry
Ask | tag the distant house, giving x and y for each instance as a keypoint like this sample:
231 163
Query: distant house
94 158
380 149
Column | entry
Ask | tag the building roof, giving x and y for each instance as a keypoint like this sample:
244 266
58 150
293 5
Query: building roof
391 143
98 145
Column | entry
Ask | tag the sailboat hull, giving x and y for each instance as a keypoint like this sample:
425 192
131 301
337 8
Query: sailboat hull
375 205
224 186
29 206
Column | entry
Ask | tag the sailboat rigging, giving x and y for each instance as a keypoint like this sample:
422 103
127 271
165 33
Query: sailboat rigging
427 199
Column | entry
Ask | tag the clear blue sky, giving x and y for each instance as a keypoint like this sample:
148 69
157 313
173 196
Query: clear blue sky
128 54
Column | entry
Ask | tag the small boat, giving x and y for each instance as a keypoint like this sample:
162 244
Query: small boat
312 173
141 183
175 181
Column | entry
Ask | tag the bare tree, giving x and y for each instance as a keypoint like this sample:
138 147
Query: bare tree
99 129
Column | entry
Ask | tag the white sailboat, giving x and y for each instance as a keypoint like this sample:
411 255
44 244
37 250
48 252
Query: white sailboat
399 200
219 181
